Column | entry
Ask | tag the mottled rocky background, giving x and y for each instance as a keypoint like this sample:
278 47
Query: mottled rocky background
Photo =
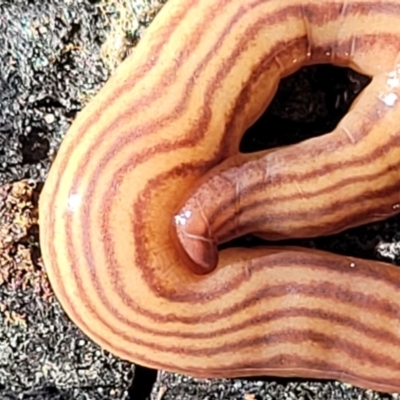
54 56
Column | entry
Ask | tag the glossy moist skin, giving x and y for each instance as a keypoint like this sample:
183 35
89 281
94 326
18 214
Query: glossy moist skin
149 179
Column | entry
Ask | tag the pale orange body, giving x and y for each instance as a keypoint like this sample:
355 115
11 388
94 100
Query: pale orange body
149 179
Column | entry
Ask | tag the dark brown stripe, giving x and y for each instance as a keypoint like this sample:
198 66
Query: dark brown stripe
388 192
292 336
347 221
293 365
381 335
286 178
322 290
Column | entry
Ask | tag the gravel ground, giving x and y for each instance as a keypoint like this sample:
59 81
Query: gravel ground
54 56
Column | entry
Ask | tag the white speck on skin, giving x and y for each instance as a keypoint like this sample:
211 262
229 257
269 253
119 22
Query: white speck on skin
352 265
187 214
182 218
74 201
389 99
396 206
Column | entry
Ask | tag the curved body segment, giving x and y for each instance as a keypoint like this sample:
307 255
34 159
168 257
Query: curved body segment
149 179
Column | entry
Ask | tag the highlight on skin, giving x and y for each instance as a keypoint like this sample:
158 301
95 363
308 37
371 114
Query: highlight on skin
149 179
